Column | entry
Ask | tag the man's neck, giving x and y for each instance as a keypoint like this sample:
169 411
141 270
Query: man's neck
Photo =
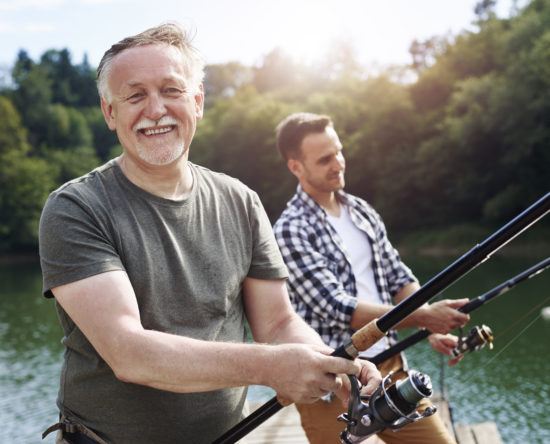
327 200
332 206
174 181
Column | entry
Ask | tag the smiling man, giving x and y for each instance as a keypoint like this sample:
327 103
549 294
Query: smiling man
154 262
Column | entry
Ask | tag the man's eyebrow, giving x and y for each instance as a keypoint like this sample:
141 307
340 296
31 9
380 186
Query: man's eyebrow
137 83
131 85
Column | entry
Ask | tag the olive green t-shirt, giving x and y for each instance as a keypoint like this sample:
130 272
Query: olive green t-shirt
186 261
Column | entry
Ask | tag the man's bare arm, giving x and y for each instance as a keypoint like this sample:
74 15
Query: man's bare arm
104 307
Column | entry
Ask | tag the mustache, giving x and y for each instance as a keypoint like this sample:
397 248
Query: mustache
149 123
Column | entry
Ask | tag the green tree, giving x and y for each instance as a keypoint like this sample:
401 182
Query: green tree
380 143
484 151
25 182
66 128
72 85
104 140
71 163
237 136
223 80
468 141
31 96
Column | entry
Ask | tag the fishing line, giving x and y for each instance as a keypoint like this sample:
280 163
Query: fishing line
503 349
523 317
513 339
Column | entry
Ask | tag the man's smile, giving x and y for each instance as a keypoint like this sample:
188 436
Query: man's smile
156 131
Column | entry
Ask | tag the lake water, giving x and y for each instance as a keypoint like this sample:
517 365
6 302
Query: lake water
509 385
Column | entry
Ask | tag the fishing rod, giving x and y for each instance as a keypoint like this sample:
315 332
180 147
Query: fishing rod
474 304
376 329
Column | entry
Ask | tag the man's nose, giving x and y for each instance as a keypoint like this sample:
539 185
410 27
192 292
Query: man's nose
155 108
340 163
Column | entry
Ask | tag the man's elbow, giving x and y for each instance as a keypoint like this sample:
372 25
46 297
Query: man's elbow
124 362
123 370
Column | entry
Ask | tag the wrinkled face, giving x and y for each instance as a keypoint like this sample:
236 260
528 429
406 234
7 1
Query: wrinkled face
321 166
154 108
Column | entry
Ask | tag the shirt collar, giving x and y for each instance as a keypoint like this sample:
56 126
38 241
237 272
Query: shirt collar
313 206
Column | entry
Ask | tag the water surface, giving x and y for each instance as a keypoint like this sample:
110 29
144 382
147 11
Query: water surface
509 385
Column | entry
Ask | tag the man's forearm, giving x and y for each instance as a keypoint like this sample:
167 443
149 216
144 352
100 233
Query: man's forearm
365 312
184 365
296 330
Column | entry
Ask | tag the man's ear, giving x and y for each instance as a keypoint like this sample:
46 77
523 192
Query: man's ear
108 113
295 166
199 103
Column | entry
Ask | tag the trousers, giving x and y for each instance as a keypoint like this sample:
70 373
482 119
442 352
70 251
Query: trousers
73 438
319 419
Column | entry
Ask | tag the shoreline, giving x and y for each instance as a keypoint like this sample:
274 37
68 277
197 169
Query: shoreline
460 239
437 243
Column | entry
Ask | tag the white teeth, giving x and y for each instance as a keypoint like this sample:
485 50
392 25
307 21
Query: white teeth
157 131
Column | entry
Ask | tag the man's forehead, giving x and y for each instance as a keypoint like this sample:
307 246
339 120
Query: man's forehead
149 57
320 142
152 62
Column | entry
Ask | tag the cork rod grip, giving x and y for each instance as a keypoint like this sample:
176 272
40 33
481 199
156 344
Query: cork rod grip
367 336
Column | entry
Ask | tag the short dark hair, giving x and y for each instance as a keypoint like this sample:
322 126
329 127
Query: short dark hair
294 128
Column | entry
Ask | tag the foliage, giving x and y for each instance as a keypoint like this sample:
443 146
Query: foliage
467 142
25 181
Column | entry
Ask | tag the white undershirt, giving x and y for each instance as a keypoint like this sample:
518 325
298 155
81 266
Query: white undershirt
359 252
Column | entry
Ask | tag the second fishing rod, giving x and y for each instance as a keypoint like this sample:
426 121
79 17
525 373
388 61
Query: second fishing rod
474 304
378 328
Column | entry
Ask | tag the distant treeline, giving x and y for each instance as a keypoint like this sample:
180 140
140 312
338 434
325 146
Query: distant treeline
467 140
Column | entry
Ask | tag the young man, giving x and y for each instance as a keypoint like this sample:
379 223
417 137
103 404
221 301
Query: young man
154 262
344 272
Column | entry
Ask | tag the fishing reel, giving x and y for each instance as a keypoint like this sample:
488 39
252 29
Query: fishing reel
476 339
390 406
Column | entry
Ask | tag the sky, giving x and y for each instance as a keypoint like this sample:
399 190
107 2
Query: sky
380 31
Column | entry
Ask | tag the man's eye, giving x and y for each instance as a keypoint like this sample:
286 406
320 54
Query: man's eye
135 97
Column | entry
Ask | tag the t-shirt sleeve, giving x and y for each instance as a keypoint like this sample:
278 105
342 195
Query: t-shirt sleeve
73 241
267 262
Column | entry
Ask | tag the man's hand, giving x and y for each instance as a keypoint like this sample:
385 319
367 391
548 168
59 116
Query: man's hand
445 344
304 373
369 376
443 316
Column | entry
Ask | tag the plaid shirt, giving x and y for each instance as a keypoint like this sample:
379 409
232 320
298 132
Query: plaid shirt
321 282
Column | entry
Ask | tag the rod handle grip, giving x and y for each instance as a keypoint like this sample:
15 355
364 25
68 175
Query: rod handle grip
367 336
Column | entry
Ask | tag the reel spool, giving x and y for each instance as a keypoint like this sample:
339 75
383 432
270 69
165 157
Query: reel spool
390 406
476 339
